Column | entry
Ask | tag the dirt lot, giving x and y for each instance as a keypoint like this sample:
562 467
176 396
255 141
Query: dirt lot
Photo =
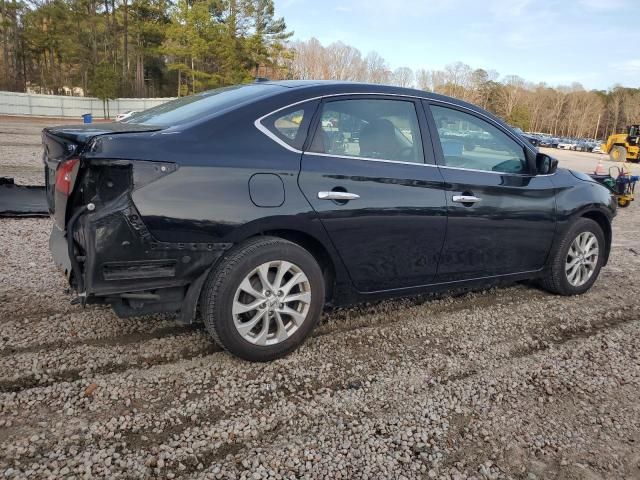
505 383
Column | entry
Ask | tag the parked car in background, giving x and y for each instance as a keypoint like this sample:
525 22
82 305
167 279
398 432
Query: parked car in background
565 144
125 115
548 142
580 146
532 139
256 205
594 144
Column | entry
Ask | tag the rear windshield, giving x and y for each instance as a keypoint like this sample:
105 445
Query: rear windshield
189 108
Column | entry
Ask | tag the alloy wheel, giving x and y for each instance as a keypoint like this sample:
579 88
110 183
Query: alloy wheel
582 259
271 303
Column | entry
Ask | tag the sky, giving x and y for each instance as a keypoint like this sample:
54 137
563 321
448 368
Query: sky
593 42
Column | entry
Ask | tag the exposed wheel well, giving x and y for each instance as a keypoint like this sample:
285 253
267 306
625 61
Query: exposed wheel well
315 248
603 221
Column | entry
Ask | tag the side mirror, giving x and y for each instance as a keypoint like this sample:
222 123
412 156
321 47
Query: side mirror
545 165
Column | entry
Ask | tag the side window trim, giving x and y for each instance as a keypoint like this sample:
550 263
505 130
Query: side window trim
272 136
313 126
428 148
435 137
310 108
428 158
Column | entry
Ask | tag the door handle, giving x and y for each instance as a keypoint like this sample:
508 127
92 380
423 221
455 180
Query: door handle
465 199
334 195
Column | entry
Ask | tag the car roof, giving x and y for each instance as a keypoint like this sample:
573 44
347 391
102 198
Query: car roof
320 88
342 86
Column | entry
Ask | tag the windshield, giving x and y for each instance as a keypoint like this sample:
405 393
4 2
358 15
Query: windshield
189 108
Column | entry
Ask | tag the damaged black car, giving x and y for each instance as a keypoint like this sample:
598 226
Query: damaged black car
252 207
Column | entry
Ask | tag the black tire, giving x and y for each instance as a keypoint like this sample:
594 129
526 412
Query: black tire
218 294
555 279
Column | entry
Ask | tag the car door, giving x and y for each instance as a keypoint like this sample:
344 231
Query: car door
382 205
501 218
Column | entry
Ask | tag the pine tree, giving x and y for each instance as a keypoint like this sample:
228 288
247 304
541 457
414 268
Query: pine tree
104 84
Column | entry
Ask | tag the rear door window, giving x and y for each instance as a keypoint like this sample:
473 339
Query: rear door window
369 128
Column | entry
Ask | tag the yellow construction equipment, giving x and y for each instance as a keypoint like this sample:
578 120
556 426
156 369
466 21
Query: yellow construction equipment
624 146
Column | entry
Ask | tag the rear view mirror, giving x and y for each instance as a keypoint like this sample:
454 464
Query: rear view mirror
545 165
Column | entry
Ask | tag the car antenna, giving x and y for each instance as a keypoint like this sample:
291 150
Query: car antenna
261 79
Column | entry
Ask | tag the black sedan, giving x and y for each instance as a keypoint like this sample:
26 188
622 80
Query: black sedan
254 206
548 142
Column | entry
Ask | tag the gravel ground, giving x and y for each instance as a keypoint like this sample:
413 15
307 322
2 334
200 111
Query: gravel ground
504 383
21 152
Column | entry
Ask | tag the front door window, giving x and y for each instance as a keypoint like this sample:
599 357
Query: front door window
472 143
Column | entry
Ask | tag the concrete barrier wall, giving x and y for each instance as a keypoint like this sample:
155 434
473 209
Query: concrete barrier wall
12 103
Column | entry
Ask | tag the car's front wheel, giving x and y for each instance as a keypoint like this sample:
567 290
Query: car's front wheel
263 299
576 263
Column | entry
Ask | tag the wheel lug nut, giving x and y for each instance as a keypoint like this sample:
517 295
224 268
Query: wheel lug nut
280 293
264 305
281 305
268 293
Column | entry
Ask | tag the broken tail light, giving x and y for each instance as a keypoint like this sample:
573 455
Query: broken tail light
63 176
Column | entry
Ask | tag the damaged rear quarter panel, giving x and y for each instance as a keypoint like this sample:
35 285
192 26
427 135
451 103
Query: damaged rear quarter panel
122 256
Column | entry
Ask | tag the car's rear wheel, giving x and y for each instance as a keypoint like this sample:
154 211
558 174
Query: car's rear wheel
576 263
263 299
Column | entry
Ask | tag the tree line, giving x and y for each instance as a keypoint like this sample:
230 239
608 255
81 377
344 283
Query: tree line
137 48
158 48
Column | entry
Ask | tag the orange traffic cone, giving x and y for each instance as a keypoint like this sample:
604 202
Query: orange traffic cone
600 168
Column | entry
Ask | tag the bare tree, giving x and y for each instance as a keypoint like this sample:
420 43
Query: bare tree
337 61
377 70
403 77
424 80
344 62
458 79
511 93
309 60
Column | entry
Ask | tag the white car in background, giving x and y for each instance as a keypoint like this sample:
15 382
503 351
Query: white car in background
565 144
125 115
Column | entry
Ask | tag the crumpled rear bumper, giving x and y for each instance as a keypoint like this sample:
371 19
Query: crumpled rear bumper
116 254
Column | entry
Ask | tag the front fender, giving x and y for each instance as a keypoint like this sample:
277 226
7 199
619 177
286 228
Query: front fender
576 198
